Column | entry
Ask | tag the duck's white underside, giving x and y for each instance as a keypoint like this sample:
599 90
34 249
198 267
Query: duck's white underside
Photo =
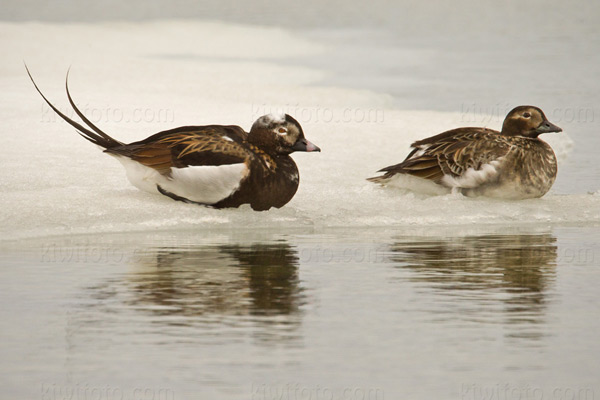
203 184
416 184
470 179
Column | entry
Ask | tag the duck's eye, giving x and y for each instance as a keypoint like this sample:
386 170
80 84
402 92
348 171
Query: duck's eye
282 130
527 115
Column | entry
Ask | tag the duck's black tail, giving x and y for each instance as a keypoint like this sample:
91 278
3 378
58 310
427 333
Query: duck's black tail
97 136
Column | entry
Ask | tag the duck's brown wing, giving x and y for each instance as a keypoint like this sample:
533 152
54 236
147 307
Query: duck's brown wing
187 146
450 153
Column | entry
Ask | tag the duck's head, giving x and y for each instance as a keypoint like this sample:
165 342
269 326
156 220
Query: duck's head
279 134
528 121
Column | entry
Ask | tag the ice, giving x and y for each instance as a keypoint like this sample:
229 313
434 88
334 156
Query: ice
135 79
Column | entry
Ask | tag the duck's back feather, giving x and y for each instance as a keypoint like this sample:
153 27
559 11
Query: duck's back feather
188 146
450 155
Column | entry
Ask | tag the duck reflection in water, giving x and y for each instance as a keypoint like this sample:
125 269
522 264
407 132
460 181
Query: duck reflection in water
260 279
216 289
480 272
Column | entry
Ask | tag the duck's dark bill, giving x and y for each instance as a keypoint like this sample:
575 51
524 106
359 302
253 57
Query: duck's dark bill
304 145
547 127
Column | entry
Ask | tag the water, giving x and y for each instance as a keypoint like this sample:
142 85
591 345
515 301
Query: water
348 292
441 313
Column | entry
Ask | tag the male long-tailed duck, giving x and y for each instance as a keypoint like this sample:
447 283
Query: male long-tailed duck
511 164
213 165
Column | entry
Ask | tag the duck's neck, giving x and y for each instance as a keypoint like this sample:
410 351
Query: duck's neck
516 132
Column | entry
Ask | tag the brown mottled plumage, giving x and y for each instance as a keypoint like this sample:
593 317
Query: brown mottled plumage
214 165
513 163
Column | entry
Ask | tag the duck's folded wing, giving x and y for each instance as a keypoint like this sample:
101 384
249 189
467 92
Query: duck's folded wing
198 164
465 157
188 146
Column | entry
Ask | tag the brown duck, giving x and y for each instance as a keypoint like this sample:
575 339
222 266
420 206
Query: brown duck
512 164
213 165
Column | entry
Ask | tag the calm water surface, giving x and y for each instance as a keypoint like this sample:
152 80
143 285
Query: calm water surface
344 314
422 313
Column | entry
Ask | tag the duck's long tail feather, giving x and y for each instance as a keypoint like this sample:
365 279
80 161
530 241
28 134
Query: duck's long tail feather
97 137
377 179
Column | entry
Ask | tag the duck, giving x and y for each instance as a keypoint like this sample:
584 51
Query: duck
218 166
513 163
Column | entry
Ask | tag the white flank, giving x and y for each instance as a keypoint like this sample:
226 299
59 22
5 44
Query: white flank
472 178
416 184
140 176
206 184
203 184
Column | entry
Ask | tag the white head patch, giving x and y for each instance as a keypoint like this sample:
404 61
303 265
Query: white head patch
273 118
270 121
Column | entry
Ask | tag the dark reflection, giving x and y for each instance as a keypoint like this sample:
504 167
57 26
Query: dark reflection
223 291
514 271
261 279
272 275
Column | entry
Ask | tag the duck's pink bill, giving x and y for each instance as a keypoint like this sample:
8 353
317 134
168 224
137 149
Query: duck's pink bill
311 147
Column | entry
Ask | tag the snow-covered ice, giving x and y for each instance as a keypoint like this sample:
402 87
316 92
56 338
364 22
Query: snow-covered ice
134 85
